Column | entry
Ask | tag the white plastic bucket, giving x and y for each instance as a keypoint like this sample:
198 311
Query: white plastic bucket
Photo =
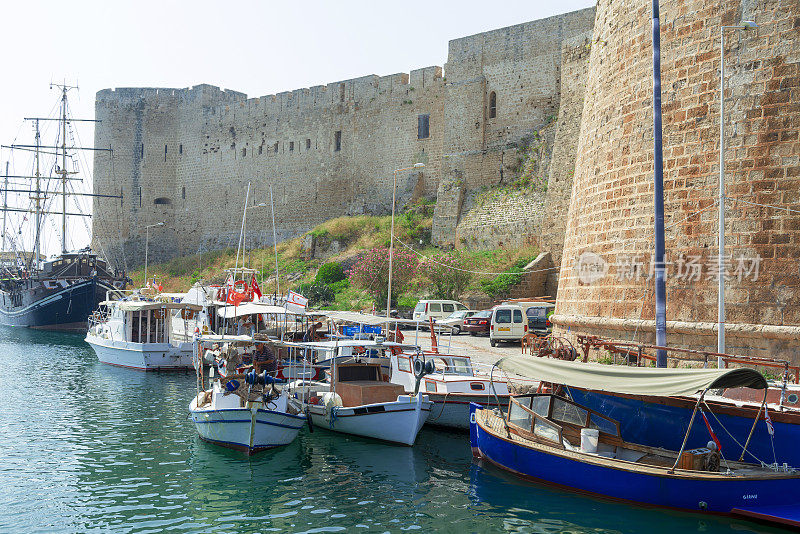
589 439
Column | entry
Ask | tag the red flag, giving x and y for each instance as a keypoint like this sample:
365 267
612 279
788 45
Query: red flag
710 431
237 293
254 287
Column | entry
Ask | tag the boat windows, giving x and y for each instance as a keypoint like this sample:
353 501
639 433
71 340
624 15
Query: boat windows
519 416
477 386
602 424
541 405
430 386
404 364
358 373
569 413
502 316
461 366
547 430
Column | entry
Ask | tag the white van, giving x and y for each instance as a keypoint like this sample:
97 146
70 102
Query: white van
508 323
438 309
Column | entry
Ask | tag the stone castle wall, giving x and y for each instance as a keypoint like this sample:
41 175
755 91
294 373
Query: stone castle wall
186 156
610 226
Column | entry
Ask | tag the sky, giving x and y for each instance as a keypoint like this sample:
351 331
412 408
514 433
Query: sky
258 48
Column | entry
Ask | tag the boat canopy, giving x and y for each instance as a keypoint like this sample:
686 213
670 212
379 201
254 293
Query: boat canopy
251 308
217 338
365 318
662 382
143 305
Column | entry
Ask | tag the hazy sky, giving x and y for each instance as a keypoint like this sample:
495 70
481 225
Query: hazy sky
258 48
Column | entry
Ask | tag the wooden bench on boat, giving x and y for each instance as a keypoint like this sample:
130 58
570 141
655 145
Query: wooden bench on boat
358 384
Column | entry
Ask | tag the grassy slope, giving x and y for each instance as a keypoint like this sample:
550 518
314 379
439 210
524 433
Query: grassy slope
356 233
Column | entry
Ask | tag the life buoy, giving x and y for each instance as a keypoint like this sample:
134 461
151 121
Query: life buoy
419 368
240 286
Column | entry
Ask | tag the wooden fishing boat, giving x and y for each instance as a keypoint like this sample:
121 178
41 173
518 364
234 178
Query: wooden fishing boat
357 397
242 411
553 439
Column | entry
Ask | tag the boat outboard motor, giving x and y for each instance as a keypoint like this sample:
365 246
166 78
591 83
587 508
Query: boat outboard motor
422 367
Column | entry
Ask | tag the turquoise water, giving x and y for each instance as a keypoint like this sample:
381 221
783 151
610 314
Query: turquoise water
93 448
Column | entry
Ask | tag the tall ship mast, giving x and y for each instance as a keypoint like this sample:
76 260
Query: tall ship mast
61 292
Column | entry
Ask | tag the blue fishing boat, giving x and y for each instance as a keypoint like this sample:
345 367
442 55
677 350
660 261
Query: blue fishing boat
553 439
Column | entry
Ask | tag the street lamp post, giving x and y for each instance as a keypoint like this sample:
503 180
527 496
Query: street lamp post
745 25
391 238
147 245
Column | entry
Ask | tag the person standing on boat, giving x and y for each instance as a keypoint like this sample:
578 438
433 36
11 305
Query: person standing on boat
265 359
311 334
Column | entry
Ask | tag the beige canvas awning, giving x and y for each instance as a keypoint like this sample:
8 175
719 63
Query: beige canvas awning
662 382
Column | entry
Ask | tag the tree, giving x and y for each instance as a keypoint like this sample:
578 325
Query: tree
329 273
371 272
448 274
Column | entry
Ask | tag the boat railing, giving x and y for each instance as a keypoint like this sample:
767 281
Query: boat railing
635 353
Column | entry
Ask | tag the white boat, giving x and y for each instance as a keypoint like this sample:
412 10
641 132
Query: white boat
244 412
136 333
452 384
357 397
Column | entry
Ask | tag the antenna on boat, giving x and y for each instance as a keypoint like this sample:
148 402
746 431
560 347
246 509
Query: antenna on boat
5 205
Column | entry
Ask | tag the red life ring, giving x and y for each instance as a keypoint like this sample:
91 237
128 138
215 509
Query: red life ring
240 284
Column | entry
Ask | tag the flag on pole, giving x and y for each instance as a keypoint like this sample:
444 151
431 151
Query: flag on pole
296 302
254 288
711 431
770 428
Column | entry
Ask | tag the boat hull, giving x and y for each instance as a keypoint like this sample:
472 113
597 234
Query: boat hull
142 356
662 422
394 422
452 410
719 495
249 430
34 305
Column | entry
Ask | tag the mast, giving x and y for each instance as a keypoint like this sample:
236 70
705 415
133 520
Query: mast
63 169
5 205
37 198
658 194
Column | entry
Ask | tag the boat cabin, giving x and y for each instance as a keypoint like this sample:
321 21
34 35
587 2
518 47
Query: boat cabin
362 383
139 321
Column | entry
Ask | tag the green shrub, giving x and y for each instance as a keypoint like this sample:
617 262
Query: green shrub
329 273
317 294
500 285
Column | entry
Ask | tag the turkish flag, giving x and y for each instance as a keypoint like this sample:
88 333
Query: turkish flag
254 288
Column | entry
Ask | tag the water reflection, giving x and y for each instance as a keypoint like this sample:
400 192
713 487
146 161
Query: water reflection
92 447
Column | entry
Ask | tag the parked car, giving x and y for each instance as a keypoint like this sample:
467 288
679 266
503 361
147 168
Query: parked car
478 324
537 313
455 321
507 324
438 309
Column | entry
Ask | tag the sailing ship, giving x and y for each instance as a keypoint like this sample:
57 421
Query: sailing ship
61 293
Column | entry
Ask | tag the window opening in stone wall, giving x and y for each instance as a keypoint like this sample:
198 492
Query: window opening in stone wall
140 197
180 149
260 149
275 148
244 152
423 126
162 201
141 151
492 105
337 141
308 144
341 92
165 152
291 146
183 192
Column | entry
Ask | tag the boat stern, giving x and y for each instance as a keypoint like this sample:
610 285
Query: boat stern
473 429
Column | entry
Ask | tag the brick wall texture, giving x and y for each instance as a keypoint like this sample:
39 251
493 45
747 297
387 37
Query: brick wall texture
611 208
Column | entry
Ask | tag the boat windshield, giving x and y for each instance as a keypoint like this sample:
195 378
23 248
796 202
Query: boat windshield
454 366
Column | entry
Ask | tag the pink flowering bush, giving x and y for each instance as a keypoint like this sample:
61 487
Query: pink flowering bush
371 272
447 273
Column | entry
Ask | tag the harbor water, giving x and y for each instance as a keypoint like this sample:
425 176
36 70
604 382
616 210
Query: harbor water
88 447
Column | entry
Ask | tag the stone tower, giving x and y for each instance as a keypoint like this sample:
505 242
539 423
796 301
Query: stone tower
605 286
